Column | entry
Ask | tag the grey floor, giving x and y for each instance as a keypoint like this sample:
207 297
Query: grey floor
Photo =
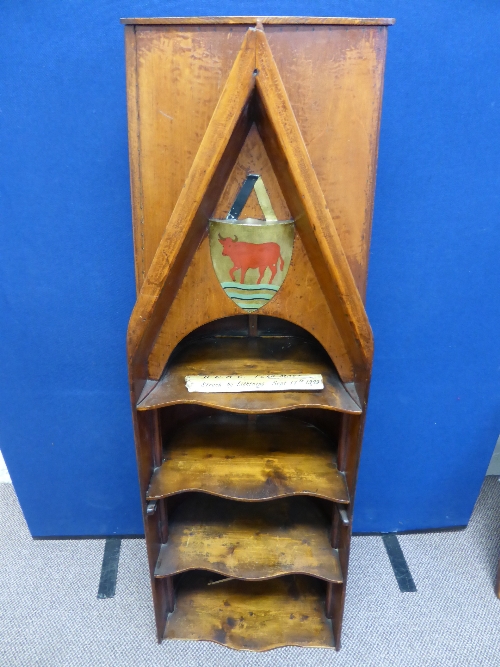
51 617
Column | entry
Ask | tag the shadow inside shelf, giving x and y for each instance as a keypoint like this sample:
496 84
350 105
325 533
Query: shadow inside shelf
261 355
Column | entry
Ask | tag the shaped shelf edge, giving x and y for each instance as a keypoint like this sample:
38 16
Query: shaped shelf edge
226 455
271 355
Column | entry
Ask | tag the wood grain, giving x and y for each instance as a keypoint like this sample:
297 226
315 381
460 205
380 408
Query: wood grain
146 430
252 355
173 117
201 299
338 71
134 147
253 20
249 541
349 451
209 101
308 206
278 127
205 190
253 159
254 616
228 455
214 161
301 300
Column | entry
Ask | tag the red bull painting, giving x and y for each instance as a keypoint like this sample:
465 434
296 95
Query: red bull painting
251 258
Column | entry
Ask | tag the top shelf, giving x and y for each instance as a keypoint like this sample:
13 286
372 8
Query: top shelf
276 355
252 20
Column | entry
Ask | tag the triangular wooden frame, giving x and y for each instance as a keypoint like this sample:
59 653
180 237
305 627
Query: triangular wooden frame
253 91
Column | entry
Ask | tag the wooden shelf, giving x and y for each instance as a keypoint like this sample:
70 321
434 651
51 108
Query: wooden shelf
249 541
251 355
228 455
255 616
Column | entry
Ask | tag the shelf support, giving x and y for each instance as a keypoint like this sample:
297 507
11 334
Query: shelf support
151 507
344 517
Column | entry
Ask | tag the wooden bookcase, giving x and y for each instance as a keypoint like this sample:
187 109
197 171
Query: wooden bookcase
248 497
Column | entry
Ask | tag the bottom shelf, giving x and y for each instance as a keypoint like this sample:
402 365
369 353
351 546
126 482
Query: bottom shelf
254 616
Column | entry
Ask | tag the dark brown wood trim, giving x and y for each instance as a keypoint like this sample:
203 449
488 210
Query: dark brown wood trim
253 20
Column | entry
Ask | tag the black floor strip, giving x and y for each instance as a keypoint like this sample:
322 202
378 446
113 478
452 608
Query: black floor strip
109 570
399 564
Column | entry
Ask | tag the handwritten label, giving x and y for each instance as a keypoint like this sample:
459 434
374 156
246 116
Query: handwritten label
209 384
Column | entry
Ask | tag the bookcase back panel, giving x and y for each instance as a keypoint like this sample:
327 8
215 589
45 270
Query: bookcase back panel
172 117
333 77
201 299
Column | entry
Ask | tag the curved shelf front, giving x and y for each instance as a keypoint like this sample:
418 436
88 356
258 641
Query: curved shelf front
271 457
251 542
252 616
250 355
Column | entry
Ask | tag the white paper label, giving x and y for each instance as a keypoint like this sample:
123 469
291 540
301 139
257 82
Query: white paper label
241 383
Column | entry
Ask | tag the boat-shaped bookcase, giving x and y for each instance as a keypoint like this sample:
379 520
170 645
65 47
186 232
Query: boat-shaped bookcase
253 145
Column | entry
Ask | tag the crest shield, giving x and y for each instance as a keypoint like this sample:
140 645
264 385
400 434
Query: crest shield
251 258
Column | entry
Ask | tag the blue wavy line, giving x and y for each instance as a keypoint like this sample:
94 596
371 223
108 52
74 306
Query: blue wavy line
273 288
249 297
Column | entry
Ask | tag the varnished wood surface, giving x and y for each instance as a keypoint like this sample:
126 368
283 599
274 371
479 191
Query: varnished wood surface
249 541
228 455
215 158
285 146
333 77
146 428
134 148
252 159
281 134
201 299
193 96
252 355
172 119
253 20
254 616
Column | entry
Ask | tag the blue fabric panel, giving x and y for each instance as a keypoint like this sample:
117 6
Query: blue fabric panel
67 285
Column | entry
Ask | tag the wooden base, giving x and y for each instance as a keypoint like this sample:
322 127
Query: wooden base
255 616
251 355
249 541
229 455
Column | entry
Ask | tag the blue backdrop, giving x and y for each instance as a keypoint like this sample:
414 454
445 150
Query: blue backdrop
67 269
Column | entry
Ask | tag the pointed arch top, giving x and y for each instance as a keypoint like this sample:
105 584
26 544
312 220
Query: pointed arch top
253 91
